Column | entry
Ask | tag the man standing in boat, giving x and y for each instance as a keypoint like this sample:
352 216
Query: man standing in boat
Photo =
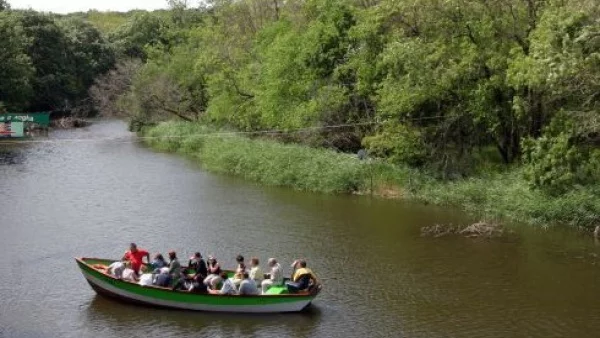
136 256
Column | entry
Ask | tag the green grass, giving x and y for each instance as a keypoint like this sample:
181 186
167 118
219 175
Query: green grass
502 195
267 162
508 196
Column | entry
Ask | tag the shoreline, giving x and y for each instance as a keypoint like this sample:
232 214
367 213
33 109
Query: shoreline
499 196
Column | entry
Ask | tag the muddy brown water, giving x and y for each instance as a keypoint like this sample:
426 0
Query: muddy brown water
90 198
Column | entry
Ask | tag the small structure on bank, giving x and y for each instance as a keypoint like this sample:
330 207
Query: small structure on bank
21 124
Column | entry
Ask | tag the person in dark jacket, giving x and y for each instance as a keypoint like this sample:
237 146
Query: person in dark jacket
198 265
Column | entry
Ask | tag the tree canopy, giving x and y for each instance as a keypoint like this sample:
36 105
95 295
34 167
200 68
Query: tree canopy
427 83
49 62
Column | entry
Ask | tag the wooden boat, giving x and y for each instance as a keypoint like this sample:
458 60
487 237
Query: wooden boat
276 300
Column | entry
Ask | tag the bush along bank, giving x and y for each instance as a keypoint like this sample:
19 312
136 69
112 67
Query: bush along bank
504 195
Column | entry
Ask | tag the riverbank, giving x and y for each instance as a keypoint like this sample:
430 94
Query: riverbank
69 122
503 195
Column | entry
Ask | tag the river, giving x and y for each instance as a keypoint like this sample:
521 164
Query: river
381 279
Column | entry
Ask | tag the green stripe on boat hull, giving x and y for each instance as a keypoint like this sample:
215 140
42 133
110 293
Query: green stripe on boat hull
160 297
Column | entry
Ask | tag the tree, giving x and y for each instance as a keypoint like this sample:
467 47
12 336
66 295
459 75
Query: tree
448 70
563 68
49 50
4 5
141 30
168 87
16 70
431 83
109 88
90 54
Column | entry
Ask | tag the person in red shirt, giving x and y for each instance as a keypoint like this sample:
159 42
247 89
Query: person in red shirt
136 256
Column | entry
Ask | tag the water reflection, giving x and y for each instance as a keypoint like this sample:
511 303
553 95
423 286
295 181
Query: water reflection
12 154
102 317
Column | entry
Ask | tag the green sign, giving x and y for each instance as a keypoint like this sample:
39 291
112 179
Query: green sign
42 119
16 129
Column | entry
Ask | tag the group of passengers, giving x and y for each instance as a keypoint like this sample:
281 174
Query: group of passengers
202 276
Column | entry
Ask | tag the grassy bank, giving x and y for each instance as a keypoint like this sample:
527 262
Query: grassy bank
502 195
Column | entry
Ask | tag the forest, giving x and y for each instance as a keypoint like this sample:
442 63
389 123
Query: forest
464 92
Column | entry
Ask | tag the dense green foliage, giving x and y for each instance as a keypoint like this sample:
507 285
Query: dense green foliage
49 63
433 84
16 70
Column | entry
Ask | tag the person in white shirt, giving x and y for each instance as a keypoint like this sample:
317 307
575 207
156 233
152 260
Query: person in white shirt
228 287
116 269
256 272
146 279
129 274
275 275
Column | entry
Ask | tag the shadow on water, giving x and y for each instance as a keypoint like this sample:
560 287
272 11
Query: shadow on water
102 317
11 155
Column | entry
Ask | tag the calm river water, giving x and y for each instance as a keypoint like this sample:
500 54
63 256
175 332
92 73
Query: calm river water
91 198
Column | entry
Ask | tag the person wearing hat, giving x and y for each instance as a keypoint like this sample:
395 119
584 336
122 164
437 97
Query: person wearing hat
136 257
274 277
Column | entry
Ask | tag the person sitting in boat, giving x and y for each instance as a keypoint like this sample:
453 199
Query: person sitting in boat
129 273
187 283
239 270
158 262
136 256
146 279
274 277
116 269
228 287
240 263
248 286
196 286
301 278
214 272
174 265
194 283
198 265
162 277
256 273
